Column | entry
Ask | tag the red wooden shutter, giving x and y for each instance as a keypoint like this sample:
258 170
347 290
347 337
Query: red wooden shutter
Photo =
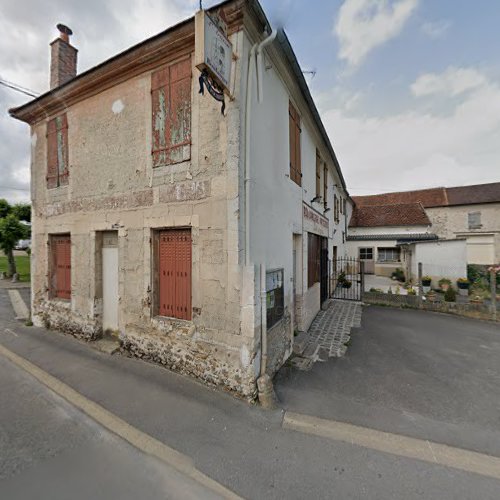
52 165
325 185
295 153
171 113
62 265
57 152
175 273
62 139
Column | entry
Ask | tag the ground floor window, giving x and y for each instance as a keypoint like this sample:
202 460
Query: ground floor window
60 266
172 273
313 259
389 254
275 297
366 253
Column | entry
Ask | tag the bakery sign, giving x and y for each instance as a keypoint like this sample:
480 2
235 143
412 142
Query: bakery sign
314 222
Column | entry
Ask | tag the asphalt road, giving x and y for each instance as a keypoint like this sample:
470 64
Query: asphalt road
50 450
242 447
422 374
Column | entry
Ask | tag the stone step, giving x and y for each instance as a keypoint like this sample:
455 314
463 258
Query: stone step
311 352
300 342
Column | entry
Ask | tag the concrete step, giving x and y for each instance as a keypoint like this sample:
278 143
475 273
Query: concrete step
311 352
300 342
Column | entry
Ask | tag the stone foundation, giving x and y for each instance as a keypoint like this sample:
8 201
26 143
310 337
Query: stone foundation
57 315
181 351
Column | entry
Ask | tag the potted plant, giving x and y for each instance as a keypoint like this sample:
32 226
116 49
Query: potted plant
347 284
463 285
426 283
444 283
450 295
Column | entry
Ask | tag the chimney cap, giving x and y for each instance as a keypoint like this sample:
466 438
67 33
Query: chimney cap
64 29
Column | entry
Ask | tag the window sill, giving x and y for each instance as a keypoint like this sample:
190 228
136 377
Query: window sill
59 300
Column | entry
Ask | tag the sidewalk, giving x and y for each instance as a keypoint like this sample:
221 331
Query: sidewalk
242 447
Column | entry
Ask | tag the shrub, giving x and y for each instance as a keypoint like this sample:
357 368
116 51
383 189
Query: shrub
450 295
444 281
399 275
412 291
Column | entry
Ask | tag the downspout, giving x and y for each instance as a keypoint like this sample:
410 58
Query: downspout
248 114
260 71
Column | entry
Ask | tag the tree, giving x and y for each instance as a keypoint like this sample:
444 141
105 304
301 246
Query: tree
22 211
5 208
11 231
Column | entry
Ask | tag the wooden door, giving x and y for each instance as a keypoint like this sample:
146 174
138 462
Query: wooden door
175 273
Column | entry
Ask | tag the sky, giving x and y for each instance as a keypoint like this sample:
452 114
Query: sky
408 90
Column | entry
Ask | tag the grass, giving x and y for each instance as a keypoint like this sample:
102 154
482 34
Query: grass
22 264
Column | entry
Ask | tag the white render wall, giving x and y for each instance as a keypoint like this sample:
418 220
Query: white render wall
275 200
440 259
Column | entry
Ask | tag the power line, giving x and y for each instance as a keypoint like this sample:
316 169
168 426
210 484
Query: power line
19 88
14 188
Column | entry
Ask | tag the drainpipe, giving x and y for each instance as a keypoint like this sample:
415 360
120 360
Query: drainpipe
260 71
248 113
267 397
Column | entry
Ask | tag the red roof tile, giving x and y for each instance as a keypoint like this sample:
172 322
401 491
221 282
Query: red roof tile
436 197
402 214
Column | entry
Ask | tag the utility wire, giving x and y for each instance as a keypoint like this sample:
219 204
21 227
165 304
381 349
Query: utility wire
19 88
13 188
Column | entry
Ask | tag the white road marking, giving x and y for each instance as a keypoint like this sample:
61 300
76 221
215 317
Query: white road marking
8 330
396 444
22 312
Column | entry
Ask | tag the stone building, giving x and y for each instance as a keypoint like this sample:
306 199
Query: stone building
447 228
199 237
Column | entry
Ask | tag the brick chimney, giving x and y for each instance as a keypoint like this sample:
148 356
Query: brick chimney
63 58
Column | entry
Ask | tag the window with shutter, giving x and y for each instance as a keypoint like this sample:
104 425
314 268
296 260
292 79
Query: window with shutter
325 186
171 110
173 273
318 174
57 152
295 152
60 272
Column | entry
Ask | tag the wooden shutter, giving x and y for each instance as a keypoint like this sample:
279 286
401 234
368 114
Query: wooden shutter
295 152
318 174
62 157
325 185
61 249
175 273
57 152
171 113
52 165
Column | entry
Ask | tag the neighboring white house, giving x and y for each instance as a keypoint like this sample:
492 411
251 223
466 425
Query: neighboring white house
444 228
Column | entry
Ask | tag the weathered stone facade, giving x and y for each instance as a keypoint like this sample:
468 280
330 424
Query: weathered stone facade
115 185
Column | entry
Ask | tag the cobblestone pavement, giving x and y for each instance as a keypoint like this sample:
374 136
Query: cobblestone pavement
331 329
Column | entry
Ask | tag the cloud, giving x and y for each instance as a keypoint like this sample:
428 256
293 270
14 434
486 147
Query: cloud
436 29
102 29
454 81
363 25
419 148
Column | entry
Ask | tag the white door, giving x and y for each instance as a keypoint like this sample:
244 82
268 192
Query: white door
110 281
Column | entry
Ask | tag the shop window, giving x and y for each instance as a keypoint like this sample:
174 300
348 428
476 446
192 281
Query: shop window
275 297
